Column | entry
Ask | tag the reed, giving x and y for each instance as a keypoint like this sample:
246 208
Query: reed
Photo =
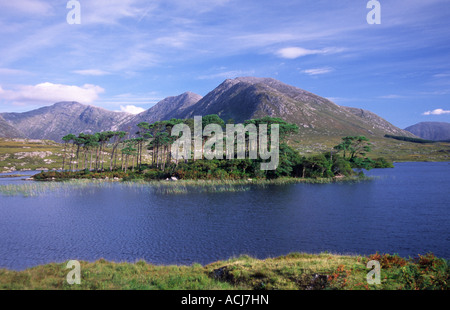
68 187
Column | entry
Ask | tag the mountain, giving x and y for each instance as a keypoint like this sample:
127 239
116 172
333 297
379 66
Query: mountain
55 121
250 97
8 131
436 131
233 100
170 107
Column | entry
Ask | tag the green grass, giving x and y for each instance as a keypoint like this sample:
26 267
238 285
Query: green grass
13 154
296 271
390 149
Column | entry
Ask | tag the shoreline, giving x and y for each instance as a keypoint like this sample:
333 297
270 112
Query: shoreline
59 170
43 187
193 182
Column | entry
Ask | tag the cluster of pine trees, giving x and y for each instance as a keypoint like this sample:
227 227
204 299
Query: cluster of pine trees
149 151
87 151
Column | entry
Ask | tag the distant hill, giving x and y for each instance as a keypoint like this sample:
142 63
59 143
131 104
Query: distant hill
170 107
436 131
233 100
55 121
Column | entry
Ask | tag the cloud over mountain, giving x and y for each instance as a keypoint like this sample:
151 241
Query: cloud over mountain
437 112
47 93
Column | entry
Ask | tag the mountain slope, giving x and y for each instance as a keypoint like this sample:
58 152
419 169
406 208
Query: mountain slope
436 131
54 122
8 131
170 107
371 119
249 97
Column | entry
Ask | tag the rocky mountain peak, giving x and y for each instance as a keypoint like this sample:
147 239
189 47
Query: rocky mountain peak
236 99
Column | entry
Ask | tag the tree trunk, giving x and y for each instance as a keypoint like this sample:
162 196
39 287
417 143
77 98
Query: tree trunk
64 156
157 156
101 153
71 158
78 157
90 164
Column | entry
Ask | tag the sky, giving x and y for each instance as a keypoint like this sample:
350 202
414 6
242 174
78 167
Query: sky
126 55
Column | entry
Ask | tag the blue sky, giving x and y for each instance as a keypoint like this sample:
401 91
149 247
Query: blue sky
129 54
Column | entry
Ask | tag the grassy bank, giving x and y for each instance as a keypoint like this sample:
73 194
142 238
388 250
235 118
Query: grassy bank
295 271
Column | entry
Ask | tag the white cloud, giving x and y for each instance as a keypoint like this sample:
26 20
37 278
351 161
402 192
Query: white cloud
392 96
317 71
7 71
94 72
296 52
442 75
111 11
131 109
130 103
33 7
437 112
48 93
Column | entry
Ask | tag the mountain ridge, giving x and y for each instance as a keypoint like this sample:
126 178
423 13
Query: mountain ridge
163 110
55 121
234 100
435 131
267 96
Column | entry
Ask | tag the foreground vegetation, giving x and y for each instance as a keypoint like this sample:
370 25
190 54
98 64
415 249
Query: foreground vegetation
295 271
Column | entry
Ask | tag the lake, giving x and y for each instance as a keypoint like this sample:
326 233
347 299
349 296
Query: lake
405 210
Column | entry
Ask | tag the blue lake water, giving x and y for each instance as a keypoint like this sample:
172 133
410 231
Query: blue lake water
405 210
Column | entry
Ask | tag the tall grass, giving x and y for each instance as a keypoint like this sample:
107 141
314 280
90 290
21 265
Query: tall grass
69 187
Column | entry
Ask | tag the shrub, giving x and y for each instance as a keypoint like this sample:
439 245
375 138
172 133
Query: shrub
341 166
382 163
388 261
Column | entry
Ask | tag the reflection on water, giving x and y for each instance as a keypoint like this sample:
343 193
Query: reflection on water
403 210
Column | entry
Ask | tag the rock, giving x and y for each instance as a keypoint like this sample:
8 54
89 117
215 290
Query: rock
317 282
37 154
